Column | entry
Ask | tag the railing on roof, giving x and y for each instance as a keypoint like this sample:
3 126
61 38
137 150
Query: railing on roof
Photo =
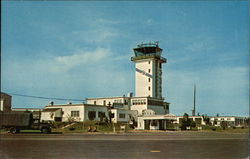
150 44
148 56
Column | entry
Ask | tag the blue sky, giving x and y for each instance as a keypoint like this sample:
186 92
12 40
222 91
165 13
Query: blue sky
82 49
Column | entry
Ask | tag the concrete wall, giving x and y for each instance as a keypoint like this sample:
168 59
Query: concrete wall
46 116
159 110
95 109
105 101
142 76
128 114
148 74
66 110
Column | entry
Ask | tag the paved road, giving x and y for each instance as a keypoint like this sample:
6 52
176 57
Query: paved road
120 146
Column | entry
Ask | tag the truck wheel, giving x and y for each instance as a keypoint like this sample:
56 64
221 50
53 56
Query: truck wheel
45 131
14 130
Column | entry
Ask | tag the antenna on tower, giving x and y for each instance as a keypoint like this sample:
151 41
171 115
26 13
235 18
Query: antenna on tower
193 111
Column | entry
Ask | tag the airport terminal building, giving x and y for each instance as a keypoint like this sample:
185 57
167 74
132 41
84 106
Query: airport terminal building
148 95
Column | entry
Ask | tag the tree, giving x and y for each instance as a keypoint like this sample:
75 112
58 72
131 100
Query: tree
206 119
223 124
185 122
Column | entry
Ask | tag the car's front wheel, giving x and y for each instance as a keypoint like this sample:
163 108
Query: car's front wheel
45 130
14 130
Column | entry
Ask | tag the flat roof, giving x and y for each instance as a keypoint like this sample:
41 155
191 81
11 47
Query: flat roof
72 105
124 97
51 109
106 98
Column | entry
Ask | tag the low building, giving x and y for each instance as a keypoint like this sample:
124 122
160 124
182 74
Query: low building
138 104
155 122
124 116
199 120
5 102
230 121
74 112
51 114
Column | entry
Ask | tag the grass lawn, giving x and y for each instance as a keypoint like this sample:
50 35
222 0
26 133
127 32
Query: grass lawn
83 127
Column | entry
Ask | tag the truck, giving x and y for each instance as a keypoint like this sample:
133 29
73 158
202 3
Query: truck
16 121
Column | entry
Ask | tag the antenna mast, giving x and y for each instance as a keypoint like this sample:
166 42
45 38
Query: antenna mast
193 112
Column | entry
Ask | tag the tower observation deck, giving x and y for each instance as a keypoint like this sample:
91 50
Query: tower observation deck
148 50
148 73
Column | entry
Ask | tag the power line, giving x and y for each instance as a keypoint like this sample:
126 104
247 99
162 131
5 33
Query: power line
29 96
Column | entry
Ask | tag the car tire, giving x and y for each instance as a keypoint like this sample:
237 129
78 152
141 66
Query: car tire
13 130
45 131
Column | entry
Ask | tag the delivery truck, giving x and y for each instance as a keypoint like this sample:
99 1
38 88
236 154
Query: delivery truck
16 121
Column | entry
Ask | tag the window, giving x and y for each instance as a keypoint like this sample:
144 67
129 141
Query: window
75 113
149 88
148 79
104 102
154 123
125 102
148 62
121 115
148 70
91 115
94 102
101 114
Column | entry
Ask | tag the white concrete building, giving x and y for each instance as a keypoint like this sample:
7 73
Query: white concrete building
138 104
197 119
114 102
124 116
74 112
230 121
148 86
155 122
148 75
148 83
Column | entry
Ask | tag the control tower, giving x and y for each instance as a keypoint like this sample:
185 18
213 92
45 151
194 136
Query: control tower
148 74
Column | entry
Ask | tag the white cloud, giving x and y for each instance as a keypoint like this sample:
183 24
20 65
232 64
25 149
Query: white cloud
65 63
105 21
149 21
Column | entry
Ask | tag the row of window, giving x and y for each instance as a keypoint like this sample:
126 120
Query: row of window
115 101
152 102
138 101
92 114
118 101
224 119
122 115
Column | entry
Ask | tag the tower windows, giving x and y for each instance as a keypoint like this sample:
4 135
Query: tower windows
148 79
148 70
148 62
104 102
149 88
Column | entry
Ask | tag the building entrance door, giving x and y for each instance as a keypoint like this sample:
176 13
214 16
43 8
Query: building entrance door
147 124
161 126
